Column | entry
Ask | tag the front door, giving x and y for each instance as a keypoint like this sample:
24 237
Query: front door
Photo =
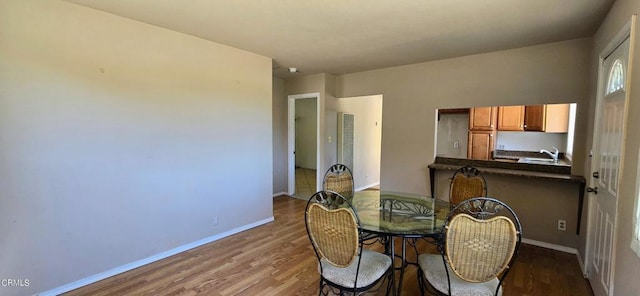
607 165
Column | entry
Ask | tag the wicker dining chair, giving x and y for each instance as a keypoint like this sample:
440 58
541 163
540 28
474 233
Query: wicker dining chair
481 240
467 182
339 178
345 266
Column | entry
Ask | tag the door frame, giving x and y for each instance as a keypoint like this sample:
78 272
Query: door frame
616 41
291 139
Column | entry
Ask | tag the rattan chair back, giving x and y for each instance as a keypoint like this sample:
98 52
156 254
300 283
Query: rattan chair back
345 266
334 234
481 239
467 182
338 178
480 250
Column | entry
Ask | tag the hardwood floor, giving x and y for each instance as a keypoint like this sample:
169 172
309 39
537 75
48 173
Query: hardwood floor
277 259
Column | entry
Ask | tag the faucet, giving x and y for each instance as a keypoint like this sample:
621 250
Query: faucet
553 155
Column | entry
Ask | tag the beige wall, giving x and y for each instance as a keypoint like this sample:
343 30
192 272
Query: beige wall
121 140
627 263
319 83
330 121
367 113
279 124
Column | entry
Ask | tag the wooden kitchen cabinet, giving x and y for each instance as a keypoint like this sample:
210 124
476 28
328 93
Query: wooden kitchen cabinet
481 145
483 118
511 118
482 132
534 118
552 118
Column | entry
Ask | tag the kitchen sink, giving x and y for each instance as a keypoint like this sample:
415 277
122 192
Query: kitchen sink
535 160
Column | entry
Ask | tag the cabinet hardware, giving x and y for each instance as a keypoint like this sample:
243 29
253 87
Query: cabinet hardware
596 175
593 189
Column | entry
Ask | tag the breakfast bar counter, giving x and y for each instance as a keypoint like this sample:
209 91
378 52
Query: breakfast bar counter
551 173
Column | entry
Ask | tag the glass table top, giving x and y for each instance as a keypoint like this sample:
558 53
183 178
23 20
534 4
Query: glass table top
401 214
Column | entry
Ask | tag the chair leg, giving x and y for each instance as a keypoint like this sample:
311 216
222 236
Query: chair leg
389 282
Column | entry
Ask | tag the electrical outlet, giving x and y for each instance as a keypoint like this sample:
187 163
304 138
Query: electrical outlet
214 220
562 225
456 144
501 147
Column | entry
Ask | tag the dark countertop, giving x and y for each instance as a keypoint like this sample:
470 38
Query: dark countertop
502 168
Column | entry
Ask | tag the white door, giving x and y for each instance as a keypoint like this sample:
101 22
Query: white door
607 165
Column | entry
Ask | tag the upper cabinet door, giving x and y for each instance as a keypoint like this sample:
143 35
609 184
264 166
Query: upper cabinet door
483 118
511 118
557 118
553 118
534 118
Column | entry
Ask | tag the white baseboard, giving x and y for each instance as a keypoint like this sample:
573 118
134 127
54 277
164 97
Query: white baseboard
109 273
582 265
550 246
280 193
561 249
367 186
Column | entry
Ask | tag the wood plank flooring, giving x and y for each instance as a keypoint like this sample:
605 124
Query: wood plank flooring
277 259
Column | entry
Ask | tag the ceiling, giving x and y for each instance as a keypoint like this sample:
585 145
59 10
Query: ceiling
346 36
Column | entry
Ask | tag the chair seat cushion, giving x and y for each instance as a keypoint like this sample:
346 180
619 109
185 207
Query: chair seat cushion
435 274
372 267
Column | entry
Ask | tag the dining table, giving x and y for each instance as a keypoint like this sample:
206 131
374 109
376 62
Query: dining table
401 215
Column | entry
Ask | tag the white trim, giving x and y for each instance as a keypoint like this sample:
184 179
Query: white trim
550 246
635 237
635 245
582 265
124 268
291 139
279 194
558 248
367 186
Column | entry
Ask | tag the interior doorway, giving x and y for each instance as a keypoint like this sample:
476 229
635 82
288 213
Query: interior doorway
303 150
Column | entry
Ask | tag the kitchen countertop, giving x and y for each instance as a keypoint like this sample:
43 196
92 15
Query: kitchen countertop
508 167
504 171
